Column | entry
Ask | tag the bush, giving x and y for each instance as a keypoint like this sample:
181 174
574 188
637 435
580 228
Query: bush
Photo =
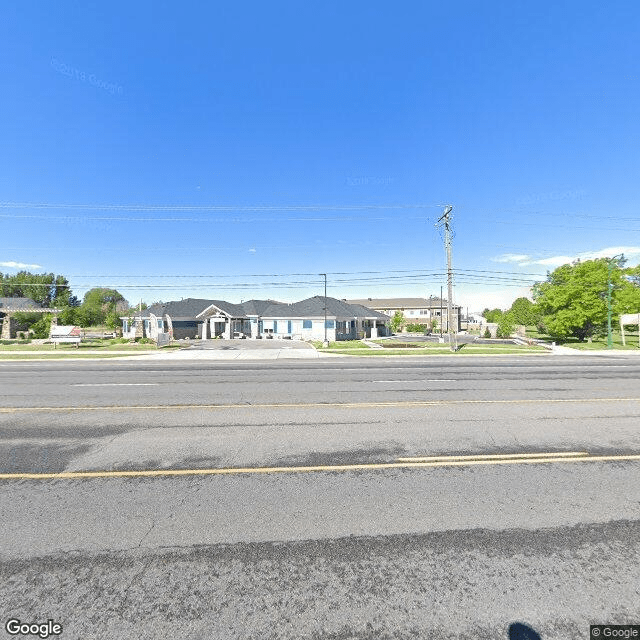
505 326
486 334
416 328
42 328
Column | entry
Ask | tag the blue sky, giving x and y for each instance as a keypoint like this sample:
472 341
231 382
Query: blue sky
237 150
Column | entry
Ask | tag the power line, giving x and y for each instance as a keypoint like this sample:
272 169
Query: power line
269 207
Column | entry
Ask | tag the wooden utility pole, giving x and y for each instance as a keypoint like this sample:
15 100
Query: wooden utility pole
445 221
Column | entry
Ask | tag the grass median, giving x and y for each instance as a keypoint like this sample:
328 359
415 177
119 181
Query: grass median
400 348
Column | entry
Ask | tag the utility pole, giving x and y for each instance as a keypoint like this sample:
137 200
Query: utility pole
610 264
445 221
441 314
326 342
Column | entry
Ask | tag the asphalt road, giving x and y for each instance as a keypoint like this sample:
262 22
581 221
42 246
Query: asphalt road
221 530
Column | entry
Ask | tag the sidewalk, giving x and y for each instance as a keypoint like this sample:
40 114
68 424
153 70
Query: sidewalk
617 353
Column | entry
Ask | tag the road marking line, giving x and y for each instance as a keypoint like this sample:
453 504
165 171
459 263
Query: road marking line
505 456
73 475
314 405
116 384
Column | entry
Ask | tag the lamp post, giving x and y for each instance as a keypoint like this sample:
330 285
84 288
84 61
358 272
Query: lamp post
326 342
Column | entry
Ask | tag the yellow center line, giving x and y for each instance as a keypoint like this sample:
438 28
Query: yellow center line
499 456
73 475
311 405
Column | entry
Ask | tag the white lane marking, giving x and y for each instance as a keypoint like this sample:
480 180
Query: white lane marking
117 384
409 380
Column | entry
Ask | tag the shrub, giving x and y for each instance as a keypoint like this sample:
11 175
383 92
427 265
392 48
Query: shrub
417 328
505 326
486 334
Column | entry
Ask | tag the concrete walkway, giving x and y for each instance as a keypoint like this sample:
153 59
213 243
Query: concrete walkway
235 354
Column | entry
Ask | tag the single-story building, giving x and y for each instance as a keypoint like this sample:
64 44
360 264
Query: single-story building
304 320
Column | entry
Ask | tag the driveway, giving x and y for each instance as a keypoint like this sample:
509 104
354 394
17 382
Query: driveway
249 345
239 350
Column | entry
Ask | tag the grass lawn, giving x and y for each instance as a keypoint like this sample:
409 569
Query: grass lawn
92 345
56 355
433 348
597 344
340 345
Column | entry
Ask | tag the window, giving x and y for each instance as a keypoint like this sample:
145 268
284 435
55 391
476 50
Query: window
329 324
307 324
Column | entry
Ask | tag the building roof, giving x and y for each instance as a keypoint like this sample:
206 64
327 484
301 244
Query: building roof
18 304
257 307
401 303
192 308
314 308
187 308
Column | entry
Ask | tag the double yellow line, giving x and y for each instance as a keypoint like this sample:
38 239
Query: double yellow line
420 462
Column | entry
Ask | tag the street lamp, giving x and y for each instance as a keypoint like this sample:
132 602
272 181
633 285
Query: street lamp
326 342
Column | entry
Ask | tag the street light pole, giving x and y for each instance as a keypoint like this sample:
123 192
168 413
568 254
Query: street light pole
326 342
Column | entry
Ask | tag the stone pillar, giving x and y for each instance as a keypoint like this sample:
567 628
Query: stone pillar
8 327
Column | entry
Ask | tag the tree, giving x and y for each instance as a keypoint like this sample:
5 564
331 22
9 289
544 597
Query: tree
523 311
573 299
397 321
492 315
506 326
48 289
98 304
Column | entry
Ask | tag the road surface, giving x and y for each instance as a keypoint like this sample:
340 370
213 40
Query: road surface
343 498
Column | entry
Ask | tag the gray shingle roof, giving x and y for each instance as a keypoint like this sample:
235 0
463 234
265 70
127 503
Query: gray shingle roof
18 303
257 307
187 308
309 308
314 308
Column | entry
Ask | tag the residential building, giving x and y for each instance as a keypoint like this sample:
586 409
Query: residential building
415 310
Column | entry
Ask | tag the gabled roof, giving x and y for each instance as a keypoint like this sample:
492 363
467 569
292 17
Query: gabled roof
187 308
314 308
15 304
257 307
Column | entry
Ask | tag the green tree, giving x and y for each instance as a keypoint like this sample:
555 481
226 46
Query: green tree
99 304
48 289
506 326
523 311
573 299
492 315
397 321
42 327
